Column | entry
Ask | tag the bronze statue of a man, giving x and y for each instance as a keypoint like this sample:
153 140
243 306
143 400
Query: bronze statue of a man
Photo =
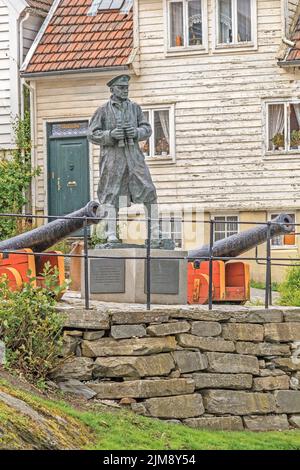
118 127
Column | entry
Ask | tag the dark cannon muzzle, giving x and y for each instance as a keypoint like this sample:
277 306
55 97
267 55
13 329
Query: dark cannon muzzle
238 244
42 238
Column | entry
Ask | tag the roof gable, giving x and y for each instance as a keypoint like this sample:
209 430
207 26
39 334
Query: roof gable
73 40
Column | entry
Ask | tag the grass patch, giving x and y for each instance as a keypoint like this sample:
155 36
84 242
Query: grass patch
262 285
124 430
127 431
255 303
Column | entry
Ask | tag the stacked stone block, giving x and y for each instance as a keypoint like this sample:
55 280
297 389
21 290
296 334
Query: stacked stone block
227 369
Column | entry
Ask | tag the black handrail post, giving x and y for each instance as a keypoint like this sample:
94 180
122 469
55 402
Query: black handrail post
211 244
270 288
148 263
268 268
86 266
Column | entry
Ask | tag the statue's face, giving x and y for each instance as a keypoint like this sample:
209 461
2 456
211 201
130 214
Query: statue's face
121 91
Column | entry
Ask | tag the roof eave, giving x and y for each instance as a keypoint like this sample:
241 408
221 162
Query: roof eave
288 63
52 73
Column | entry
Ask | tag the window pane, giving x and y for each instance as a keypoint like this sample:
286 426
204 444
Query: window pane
284 240
176 231
165 227
146 115
290 239
219 236
145 145
176 24
195 22
232 225
225 21
244 20
171 228
276 127
66 129
161 133
294 126
219 226
225 226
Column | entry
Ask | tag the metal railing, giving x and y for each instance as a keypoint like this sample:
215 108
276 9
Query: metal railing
266 260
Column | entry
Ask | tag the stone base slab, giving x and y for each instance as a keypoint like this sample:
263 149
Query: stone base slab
124 280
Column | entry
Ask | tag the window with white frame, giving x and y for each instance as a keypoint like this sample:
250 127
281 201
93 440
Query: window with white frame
171 229
235 21
186 23
284 241
283 126
225 226
161 142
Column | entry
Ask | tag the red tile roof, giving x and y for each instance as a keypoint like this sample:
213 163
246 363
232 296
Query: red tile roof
294 52
42 6
74 41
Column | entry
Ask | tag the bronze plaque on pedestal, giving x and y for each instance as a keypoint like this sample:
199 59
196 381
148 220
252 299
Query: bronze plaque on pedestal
164 276
107 276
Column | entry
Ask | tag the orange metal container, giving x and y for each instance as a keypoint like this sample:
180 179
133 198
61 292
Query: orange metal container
231 282
24 265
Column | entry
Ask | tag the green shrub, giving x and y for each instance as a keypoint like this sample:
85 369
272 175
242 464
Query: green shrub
290 288
15 178
31 327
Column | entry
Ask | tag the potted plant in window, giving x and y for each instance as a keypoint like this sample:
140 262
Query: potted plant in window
278 141
295 139
162 147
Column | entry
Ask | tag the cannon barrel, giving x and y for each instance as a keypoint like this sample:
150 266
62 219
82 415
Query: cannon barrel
240 243
42 238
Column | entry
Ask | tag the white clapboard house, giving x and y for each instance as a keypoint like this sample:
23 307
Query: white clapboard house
20 21
219 82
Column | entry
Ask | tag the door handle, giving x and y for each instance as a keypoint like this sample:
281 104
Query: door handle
72 184
58 184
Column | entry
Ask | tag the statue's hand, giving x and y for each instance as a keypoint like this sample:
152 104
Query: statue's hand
117 134
131 132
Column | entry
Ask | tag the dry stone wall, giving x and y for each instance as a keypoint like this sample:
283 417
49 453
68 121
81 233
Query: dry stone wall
227 369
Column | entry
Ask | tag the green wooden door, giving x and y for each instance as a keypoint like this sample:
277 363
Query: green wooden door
68 172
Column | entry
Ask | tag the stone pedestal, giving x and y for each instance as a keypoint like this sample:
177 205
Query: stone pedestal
115 279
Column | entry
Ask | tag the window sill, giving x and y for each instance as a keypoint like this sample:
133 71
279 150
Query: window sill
282 155
285 248
225 48
160 160
184 51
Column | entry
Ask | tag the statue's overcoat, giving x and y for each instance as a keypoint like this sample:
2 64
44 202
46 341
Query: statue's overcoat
123 170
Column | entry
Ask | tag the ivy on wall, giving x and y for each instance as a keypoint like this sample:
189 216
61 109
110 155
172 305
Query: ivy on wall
15 178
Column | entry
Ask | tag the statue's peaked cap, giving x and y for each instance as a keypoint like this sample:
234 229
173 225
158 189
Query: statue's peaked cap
120 80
